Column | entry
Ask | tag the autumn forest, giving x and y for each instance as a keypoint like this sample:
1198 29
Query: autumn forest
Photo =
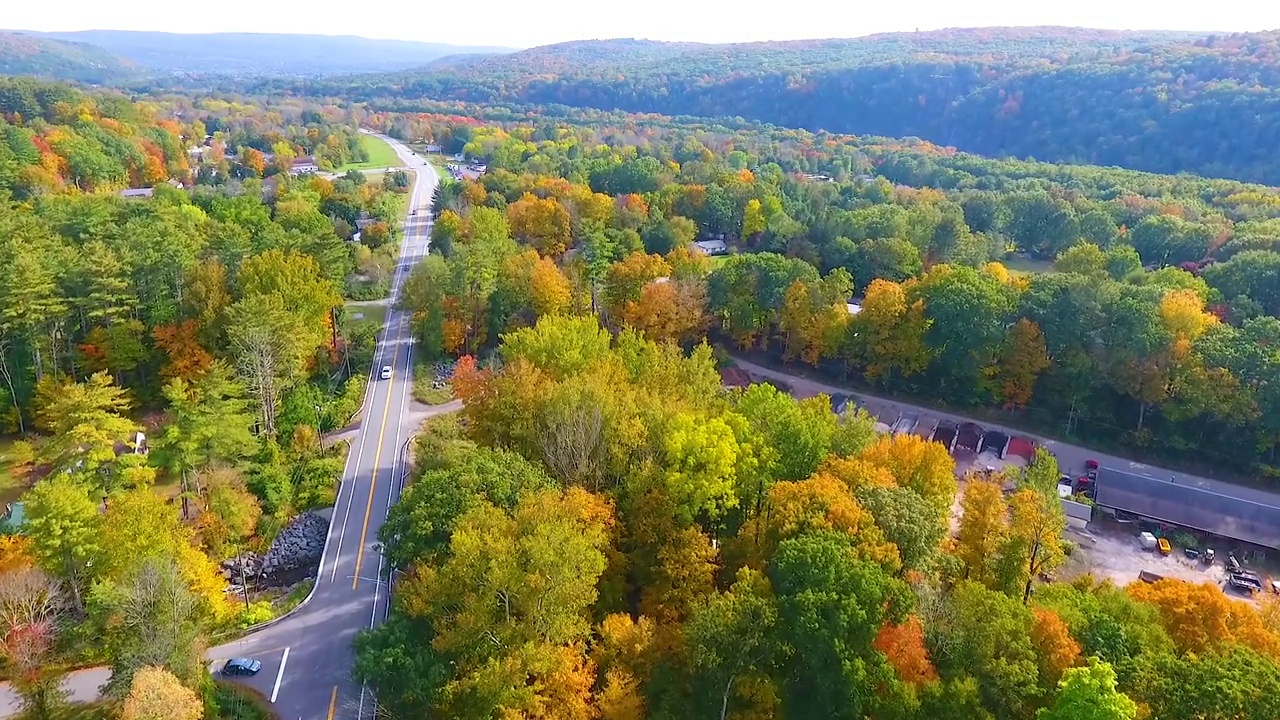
603 530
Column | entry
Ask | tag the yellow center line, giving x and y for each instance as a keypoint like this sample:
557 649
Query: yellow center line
373 479
333 702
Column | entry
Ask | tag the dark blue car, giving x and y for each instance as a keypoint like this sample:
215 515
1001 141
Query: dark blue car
241 666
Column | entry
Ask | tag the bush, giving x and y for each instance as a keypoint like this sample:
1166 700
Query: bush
295 596
258 612
229 701
439 443
20 454
344 407
317 483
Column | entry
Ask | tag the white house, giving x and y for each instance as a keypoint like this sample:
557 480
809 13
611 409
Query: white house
712 247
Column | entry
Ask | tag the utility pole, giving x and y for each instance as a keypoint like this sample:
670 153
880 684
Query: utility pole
319 430
244 584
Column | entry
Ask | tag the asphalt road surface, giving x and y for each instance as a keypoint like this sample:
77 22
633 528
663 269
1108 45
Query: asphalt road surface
313 680
307 657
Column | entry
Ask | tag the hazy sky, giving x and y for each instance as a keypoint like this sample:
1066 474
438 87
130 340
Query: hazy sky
525 23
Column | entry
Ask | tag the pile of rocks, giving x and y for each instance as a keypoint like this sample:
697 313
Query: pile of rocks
298 545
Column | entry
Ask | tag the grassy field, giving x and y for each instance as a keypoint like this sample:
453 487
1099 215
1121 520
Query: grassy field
380 155
375 315
1022 265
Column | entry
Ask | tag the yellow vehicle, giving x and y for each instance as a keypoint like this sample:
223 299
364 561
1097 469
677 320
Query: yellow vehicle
1163 544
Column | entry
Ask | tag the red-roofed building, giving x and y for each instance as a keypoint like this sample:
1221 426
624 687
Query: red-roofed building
1021 447
733 377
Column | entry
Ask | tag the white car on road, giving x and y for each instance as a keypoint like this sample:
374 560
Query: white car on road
386 372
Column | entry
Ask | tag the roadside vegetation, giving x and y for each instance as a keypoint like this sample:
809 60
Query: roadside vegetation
168 363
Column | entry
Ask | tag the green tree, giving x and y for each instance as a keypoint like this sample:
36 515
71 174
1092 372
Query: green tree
420 524
270 348
986 634
831 606
209 421
1089 693
800 431
86 420
1083 259
63 524
908 521
731 637
1233 685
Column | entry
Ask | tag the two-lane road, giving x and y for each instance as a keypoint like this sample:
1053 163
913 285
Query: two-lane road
307 656
313 680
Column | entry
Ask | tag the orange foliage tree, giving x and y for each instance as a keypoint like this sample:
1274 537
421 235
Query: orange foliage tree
903 646
1022 360
627 278
1055 647
181 344
668 311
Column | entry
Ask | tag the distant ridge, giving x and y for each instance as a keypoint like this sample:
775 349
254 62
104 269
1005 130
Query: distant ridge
27 54
248 54
1160 101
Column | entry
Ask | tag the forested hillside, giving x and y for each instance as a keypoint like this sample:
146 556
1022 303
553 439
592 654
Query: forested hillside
25 54
1159 102
604 531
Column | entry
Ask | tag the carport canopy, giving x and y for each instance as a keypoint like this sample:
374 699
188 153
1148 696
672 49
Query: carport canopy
1247 519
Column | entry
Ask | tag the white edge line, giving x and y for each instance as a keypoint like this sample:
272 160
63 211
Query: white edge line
280 674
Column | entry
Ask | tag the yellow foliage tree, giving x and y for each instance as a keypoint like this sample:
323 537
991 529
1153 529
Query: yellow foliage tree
541 222
919 464
15 553
820 503
983 527
890 333
620 698
157 695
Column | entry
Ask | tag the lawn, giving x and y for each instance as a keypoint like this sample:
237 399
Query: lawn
380 155
1020 265
375 315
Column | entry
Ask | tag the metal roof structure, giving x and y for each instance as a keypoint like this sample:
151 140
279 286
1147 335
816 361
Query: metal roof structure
1248 519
